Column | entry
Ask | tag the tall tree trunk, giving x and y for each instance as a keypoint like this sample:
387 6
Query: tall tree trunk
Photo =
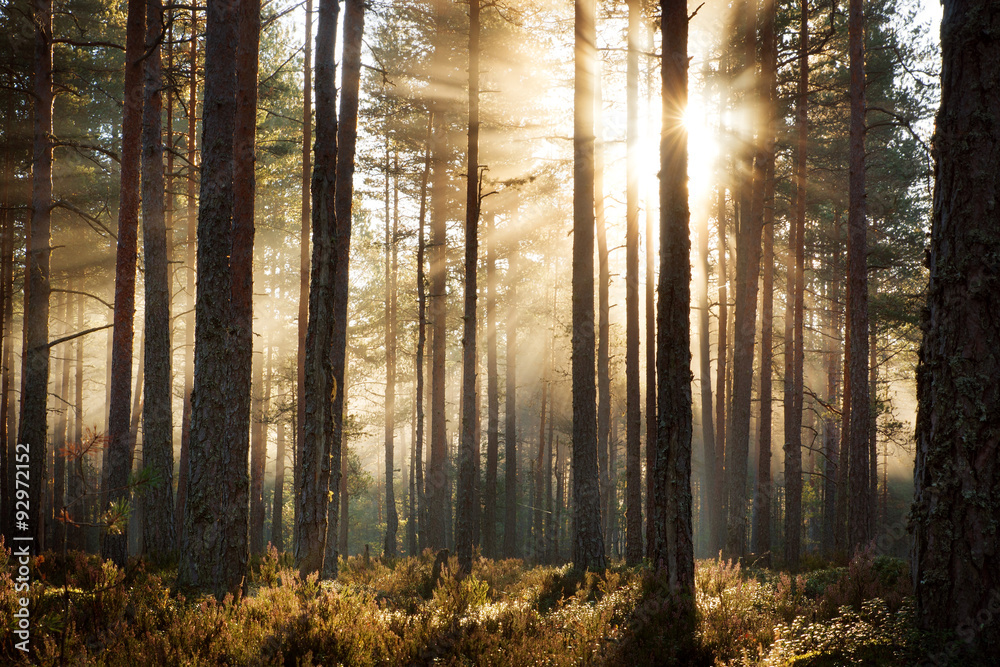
159 538
277 520
59 442
549 554
120 447
747 274
859 519
603 306
957 547
314 448
421 342
873 424
6 317
650 329
538 545
307 120
633 409
673 546
705 365
470 407
438 493
76 486
258 453
588 542
831 431
843 464
510 547
718 509
492 395
189 321
213 546
392 519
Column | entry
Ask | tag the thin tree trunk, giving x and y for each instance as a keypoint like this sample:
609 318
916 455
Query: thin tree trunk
550 555
6 316
705 365
831 431
392 520
588 542
538 546
258 454
873 425
119 452
765 486
438 492
159 538
466 453
650 332
189 321
718 508
492 395
307 120
510 547
633 396
604 322
860 511
277 520
421 342
59 442
76 483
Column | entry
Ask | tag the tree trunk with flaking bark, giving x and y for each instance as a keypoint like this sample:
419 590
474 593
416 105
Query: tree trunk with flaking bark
119 452
859 516
633 396
159 538
957 476
673 544
304 253
588 541
465 496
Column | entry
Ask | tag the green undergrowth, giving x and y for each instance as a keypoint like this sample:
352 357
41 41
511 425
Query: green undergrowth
504 613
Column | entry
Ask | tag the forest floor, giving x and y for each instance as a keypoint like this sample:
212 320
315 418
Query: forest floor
506 613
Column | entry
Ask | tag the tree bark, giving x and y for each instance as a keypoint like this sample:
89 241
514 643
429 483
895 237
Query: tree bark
6 321
59 443
492 395
189 321
277 520
633 396
718 509
603 316
159 538
673 546
859 519
650 330
438 488
956 550
421 342
831 430
510 546
120 446
588 542
258 454
470 408
304 267
392 519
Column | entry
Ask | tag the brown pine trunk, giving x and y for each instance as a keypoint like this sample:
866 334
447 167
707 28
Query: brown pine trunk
490 498
120 447
549 554
873 426
859 516
510 546
59 441
258 454
465 505
277 520
718 509
604 322
831 430
307 121
438 488
192 226
76 485
159 538
421 342
392 519
650 332
705 366
538 545
957 547
633 396
588 542
673 545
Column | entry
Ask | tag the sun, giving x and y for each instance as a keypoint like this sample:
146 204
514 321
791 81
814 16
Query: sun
703 148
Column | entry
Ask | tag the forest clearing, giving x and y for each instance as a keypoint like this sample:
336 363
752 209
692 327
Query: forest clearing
510 332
